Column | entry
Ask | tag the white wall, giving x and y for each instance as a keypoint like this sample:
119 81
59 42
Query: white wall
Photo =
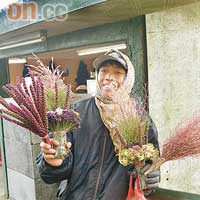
173 45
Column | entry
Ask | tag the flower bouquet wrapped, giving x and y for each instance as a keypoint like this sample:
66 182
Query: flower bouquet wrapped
43 106
132 126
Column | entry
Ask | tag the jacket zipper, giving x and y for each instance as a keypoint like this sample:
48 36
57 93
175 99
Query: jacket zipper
100 171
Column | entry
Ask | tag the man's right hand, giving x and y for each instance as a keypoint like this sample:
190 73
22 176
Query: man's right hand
49 152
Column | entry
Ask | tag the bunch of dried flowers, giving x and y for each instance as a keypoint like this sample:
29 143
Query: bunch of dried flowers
60 116
29 109
132 125
44 105
132 130
184 142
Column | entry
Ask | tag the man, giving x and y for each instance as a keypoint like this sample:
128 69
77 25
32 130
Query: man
92 169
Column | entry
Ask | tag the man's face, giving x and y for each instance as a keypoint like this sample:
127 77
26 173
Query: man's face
110 77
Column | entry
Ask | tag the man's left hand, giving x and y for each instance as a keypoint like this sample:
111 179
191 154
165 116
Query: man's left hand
152 179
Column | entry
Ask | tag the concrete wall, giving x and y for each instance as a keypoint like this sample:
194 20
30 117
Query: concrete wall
173 43
24 182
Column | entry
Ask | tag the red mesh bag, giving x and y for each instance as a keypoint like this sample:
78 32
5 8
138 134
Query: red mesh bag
136 193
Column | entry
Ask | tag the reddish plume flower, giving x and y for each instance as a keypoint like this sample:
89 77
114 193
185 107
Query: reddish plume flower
29 110
184 142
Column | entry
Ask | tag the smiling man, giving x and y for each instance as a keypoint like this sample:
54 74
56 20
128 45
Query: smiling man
110 76
92 169
112 71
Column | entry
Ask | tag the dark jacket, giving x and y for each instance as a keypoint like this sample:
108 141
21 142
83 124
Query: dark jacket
92 170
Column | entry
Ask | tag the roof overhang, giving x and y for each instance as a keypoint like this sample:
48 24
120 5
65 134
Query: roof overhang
88 13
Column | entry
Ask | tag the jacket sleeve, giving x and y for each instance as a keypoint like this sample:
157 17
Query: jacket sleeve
51 174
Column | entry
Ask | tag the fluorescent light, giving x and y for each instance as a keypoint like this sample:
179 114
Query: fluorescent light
22 43
88 51
24 39
16 60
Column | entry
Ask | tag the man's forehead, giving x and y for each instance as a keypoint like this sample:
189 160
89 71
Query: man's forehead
114 66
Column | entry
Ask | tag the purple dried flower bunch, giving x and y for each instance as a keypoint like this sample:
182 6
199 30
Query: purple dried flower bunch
62 117
29 109
63 120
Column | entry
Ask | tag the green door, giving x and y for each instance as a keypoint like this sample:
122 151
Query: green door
4 75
